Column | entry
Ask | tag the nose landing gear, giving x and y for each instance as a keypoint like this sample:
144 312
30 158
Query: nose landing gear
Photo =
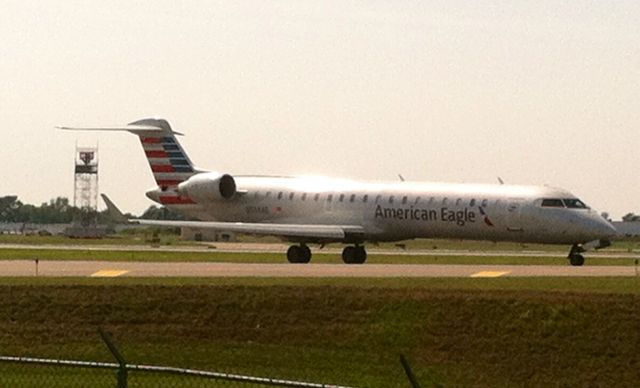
354 255
299 254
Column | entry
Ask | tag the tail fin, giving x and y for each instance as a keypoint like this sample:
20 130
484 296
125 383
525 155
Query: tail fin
169 163
113 211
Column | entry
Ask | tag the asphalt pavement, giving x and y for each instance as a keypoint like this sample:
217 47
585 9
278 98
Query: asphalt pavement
59 268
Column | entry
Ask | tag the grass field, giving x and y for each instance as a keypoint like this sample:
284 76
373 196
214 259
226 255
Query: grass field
456 332
589 285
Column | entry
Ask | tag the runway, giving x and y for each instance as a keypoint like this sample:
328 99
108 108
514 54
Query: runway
55 268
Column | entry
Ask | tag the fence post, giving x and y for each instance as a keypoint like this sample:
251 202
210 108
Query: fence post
409 372
122 370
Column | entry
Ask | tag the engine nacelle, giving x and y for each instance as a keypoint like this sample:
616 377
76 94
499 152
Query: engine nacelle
208 186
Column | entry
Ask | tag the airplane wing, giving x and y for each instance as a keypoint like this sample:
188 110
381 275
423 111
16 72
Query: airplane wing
333 232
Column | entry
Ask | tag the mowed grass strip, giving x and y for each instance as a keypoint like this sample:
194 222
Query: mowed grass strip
601 285
271 257
337 334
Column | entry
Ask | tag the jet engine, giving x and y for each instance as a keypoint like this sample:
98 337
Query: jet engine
207 187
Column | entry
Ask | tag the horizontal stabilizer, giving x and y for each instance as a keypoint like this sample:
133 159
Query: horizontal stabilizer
334 232
144 126
127 128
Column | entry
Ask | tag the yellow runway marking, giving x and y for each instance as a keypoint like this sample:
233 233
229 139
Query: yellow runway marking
489 274
108 273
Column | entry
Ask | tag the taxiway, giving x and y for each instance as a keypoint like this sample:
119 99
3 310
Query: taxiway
59 268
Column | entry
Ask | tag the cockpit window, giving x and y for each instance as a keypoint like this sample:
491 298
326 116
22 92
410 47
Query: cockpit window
552 202
574 203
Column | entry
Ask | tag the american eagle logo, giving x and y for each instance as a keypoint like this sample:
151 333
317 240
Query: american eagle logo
486 218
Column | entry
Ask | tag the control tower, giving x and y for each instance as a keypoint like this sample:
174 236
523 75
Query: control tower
86 190
85 195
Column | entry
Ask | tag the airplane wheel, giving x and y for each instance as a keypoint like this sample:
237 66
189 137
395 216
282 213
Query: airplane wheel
354 255
306 254
360 255
348 254
293 253
299 254
576 260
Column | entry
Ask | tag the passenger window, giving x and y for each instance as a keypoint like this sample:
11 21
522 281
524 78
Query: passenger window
291 196
444 201
472 202
353 197
391 199
552 202
268 194
417 200
458 201
329 197
365 198
280 195
316 197
304 196
378 198
404 200
341 197
485 202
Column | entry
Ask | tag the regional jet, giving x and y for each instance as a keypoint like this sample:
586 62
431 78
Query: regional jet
317 210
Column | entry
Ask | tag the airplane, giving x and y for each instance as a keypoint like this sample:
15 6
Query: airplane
318 210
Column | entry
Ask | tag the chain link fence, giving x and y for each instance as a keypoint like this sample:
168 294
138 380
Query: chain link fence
39 372
45 372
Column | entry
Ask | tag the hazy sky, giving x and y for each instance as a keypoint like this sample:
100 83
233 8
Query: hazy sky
536 92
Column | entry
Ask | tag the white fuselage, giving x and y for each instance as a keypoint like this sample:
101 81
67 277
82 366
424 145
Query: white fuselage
405 210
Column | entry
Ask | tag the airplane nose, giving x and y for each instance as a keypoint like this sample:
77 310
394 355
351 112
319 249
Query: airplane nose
603 228
607 228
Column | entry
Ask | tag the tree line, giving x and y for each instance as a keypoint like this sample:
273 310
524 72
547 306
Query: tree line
60 211
631 217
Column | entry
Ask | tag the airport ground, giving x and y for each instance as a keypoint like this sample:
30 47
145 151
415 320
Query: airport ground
504 331
168 248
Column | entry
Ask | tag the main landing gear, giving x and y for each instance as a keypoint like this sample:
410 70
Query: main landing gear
299 254
575 256
354 255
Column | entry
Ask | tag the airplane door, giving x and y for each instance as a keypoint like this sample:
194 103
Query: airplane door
514 210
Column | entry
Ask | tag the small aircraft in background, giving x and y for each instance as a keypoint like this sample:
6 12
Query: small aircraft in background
306 210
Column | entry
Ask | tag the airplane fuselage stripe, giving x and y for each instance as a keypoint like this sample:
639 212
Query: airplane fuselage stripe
176 200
